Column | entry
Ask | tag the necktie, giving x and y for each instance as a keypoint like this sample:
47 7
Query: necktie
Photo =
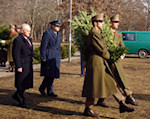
29 42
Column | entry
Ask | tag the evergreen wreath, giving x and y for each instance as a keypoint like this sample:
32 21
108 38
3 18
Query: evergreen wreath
82 24
107 34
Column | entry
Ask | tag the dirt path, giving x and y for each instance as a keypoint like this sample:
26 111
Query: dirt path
70 104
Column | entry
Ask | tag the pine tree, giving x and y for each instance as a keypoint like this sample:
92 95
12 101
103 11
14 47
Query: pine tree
82 25
107 33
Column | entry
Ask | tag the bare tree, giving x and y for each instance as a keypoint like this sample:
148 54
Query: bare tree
38 13
34 12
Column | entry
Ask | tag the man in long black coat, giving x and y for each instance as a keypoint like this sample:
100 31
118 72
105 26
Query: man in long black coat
50 58
22 55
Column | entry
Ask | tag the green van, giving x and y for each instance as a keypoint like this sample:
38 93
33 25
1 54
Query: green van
138 42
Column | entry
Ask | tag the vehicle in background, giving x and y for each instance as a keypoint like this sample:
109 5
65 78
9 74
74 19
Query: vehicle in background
138 42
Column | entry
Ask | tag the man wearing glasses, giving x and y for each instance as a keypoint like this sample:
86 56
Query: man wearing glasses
50 58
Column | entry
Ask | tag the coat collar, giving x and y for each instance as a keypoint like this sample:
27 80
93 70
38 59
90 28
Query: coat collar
25 40
54 35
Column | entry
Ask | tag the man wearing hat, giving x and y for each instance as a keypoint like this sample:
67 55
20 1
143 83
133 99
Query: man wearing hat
99 81
9 42
50 58
117 69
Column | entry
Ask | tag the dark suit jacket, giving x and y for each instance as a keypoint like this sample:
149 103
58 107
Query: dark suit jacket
50 51
22 55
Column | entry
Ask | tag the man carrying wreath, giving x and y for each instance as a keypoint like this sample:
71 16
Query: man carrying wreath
99 82
117 69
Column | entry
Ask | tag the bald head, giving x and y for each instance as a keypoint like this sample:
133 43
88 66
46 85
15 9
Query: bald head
26 29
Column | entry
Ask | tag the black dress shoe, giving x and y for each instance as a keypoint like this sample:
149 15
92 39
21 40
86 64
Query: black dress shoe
17 98
131 100
52 94
89 112
101 102
42 92
24 105
124 108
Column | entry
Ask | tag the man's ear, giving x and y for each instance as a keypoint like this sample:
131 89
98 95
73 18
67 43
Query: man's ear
95 23
111 24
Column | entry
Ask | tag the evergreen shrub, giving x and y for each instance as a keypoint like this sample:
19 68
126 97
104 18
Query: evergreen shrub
4 32
64 53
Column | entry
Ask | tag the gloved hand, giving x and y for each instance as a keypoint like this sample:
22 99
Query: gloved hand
122 56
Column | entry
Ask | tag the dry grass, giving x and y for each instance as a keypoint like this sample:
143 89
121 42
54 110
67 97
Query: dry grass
70 104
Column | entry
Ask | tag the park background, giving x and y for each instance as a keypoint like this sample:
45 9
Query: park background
134 14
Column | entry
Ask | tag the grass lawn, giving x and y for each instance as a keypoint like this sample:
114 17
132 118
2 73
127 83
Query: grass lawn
70 104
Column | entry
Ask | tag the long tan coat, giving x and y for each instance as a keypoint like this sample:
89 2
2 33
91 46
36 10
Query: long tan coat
10 45
117 67
98 82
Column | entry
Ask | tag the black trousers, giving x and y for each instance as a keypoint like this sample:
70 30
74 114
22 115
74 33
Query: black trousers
19 96
47 83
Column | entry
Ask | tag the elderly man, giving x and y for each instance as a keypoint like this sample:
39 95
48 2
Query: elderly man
50 58
22 55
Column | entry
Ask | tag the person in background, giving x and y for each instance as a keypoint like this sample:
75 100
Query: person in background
117 69
9 43
18 28
22 56
50 58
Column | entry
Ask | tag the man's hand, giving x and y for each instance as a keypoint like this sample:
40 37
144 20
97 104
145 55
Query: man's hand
19 69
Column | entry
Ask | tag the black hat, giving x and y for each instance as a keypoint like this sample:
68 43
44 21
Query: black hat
55 22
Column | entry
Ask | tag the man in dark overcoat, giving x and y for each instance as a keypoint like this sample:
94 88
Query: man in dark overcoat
22 55
50 58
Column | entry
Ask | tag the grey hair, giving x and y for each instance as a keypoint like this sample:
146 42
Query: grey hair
24 26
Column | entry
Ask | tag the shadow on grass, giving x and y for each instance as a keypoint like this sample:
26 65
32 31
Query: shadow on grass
145 97
6 97
54 110
34 99
136 56
69 73
62 73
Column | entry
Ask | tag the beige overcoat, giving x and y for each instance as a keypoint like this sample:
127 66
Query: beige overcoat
98 81
117 67
10 45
